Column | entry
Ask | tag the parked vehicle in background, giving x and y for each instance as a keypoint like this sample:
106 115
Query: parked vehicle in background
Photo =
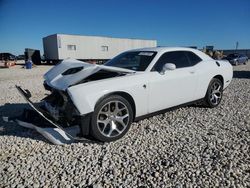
7 60
7 57
21 57
236 59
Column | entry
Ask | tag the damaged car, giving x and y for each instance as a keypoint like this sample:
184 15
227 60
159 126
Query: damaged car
103 100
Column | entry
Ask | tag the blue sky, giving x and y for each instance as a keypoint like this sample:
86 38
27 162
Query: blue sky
23 23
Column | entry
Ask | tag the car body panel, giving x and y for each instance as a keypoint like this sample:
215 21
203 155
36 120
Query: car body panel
85 96
55 79
169 88
151 91
206 70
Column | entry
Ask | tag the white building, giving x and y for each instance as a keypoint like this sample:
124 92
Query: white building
62 46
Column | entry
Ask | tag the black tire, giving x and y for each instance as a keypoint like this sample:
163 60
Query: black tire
103 122
215 89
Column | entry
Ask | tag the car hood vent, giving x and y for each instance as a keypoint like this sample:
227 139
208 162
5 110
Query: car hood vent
72 71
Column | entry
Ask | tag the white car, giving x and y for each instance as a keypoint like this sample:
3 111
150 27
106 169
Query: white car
105 99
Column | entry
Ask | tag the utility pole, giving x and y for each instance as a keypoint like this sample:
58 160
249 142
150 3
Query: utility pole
237 45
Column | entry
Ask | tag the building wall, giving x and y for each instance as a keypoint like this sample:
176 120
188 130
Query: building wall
92 47
50 47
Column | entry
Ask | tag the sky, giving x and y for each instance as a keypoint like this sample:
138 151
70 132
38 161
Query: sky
221 23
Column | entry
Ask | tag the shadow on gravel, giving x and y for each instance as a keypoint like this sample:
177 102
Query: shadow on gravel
241 74
13 129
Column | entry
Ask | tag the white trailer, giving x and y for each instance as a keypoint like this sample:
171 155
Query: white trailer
61 46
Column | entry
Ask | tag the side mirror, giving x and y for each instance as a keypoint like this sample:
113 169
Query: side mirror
168 66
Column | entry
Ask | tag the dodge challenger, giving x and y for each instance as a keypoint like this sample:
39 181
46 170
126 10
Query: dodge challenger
103 100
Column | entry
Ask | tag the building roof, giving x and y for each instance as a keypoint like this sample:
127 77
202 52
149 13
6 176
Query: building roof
98 36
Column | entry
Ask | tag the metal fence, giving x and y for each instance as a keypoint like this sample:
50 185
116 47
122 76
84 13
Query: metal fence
240 51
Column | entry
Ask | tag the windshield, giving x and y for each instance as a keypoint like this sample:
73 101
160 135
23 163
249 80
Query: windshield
137 61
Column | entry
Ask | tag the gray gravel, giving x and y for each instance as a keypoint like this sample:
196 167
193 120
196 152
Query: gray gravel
188 147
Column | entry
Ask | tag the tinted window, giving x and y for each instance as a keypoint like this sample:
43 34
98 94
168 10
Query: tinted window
178 58
193 58
137 61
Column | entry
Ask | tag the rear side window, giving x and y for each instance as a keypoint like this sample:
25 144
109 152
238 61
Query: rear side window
193 58
179 58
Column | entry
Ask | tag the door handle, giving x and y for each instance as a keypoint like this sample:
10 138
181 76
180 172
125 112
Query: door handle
192 72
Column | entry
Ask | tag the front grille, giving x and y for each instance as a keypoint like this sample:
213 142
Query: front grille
60 107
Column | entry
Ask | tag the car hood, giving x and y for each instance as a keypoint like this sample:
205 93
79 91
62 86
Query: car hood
72 71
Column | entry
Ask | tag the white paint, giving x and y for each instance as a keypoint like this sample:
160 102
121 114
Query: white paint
162 90
54 135
54 77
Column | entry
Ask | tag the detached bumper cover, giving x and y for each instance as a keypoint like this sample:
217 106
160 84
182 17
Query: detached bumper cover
55 134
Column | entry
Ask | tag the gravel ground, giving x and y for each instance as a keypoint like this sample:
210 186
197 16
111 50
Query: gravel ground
188 147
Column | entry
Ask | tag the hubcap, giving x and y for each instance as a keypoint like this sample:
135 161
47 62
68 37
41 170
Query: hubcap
113 118
215 93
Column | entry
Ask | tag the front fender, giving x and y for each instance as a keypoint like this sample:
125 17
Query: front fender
86 95
85 98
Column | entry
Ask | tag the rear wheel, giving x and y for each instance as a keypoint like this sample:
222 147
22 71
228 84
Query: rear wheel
111 119
214 93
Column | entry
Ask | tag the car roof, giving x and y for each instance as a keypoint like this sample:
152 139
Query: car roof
161 50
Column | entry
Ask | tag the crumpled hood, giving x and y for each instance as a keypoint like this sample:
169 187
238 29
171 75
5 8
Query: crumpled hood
55 78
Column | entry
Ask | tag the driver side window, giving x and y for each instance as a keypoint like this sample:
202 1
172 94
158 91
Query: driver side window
178 58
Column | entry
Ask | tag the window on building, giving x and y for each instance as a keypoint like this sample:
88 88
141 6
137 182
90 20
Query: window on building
105 48
71 47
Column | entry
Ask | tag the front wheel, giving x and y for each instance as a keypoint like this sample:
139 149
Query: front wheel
214 93
111 119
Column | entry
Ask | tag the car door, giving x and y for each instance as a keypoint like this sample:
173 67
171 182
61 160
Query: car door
242 59
175 87
239 59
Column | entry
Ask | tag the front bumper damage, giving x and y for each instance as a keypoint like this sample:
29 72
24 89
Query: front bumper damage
41 121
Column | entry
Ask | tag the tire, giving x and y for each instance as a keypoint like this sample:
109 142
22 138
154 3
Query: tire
111 119
214 93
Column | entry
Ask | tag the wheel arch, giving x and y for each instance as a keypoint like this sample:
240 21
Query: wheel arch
220 77
123 94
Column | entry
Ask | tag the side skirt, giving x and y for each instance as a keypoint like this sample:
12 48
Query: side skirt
166 110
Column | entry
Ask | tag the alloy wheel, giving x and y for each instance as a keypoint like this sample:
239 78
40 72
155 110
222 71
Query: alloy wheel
215 93
113 118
